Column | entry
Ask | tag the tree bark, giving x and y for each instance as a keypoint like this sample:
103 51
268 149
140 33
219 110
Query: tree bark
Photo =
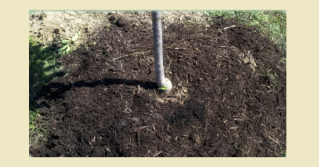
158 52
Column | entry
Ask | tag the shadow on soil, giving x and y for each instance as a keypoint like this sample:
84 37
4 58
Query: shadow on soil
56 89
43 67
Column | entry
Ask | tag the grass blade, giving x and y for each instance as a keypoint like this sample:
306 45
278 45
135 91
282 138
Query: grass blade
76 36
64 47
65 41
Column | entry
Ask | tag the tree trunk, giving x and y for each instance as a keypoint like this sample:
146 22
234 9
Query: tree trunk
158 52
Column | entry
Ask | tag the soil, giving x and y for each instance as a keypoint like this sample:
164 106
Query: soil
221 104
49 28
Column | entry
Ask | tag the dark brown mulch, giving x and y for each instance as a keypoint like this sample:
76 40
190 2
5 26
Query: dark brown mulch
219 107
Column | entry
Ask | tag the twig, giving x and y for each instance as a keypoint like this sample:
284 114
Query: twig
143 127
138 88
237 119
157 154
273 140
229 27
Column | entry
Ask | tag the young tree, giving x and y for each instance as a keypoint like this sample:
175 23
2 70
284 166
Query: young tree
162 82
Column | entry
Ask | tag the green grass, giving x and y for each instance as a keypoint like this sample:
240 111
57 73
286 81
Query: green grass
35 133
33 114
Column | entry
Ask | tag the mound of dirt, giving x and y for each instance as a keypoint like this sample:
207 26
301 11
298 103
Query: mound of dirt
222 102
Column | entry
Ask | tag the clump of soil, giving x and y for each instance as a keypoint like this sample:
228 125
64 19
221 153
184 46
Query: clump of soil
220 105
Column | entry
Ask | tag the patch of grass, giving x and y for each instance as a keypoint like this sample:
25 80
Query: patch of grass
33 114
226 14
35 133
